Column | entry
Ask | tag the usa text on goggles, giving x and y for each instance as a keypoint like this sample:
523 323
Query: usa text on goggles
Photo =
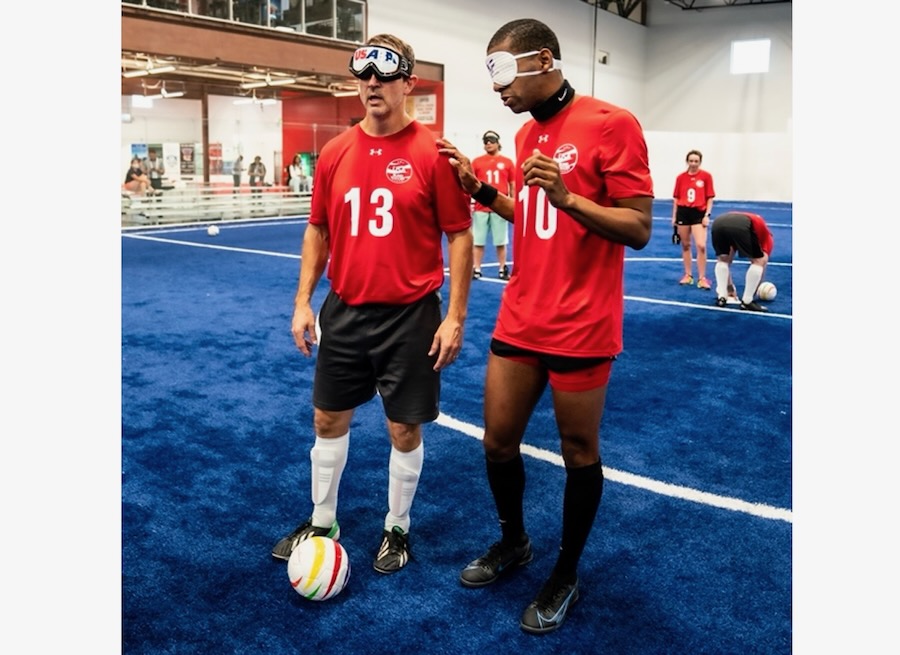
384 63
504 69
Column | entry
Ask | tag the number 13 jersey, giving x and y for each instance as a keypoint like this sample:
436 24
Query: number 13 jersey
387 202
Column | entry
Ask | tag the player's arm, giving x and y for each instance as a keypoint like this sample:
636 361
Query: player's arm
449 337
503 205
628 222
675 200
496 201
313 259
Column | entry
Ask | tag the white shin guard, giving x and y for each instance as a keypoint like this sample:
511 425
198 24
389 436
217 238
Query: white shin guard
328 457
721 279
405 470
751 282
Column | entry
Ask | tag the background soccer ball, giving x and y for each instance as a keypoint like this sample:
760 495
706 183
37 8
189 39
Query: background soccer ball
212 230
319 568
766 291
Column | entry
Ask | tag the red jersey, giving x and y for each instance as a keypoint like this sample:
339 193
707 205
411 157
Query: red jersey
387 202
693 190
565 296
495 170
761 230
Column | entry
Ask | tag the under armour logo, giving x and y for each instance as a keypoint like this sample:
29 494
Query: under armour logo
543 138
375 151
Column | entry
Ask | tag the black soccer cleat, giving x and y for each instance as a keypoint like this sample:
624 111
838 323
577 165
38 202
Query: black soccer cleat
302 532
753 307
721 302
504 273
499 558
548 610
476 274
394 552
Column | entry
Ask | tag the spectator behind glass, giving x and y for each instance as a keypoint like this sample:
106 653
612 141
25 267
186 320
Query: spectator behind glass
154 169
297 179
136 181
237 171
257 173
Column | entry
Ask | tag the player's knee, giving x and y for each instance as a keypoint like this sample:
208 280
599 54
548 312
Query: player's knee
328 424
499 448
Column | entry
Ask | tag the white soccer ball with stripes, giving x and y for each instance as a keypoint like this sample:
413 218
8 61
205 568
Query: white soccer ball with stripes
766 292
319 568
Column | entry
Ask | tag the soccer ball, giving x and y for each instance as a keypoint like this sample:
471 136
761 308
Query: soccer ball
319 568
767 291
212 230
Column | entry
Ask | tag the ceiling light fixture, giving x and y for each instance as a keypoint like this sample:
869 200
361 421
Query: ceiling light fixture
150 70
281 81
253 85
163 93
253 100
344 94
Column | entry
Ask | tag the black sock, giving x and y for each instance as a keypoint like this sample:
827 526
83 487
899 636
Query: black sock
584 487
507 482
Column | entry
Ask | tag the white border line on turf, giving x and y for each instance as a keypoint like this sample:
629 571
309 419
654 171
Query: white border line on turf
663 488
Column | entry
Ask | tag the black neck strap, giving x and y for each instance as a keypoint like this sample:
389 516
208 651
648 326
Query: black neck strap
555 103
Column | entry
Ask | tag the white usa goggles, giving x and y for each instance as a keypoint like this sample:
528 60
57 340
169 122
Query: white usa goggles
382 62
504 67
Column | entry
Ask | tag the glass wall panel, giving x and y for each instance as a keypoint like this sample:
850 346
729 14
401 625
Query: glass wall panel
342 19
320 17
350 20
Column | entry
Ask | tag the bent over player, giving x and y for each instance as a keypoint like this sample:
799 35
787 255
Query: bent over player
747 234
382 201
584 193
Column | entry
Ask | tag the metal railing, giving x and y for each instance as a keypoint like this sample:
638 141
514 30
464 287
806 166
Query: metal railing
202 203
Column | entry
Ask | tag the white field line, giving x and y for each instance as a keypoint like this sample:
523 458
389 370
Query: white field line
663 488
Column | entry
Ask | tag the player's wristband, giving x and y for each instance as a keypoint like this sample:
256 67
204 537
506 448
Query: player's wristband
485 195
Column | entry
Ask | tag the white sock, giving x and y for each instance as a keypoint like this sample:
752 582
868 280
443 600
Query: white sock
754 275
405 469
328 457
721 280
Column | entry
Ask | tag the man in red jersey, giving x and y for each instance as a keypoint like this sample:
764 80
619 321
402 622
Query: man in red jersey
496 170
382 201
748 234
691 210
584 193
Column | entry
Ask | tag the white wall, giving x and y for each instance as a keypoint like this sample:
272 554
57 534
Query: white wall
743 124
673 74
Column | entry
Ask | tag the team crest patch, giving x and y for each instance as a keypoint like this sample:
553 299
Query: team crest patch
399 171
700 183
567 157
500 166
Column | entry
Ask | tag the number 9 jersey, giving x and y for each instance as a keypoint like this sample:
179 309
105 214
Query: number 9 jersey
387 202
565 296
